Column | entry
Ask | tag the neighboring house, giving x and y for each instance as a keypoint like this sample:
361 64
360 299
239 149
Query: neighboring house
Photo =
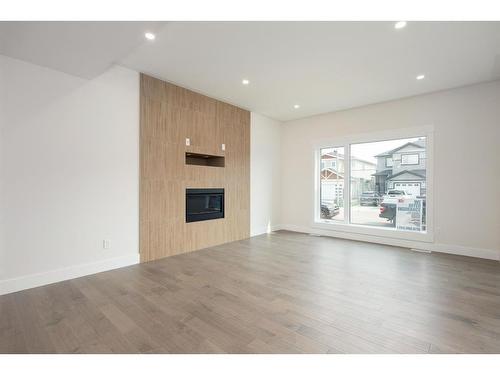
332 177
402 168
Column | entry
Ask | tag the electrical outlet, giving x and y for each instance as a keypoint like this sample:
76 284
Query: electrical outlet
106 244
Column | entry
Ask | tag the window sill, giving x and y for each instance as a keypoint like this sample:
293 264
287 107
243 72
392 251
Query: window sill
371 231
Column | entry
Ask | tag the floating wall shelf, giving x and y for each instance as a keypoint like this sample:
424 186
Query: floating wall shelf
204 160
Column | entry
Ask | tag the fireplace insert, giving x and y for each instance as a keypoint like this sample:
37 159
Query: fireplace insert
204 204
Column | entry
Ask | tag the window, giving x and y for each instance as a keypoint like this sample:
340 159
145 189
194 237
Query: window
329 164
332 184
367 189
409 159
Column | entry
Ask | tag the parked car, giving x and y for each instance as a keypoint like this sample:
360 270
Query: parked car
327 212
369 198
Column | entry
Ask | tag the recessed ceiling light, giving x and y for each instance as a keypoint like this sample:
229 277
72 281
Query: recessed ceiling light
245 81
400 24
296 106
150 36
421 76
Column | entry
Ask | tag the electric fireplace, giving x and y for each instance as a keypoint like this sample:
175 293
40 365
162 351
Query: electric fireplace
204 204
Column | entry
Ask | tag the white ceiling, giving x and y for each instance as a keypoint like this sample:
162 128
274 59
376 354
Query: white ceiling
84 49
323 66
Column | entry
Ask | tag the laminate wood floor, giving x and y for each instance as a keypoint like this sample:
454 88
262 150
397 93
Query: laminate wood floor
279 293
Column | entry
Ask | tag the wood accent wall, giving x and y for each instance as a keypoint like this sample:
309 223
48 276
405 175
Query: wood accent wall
169 115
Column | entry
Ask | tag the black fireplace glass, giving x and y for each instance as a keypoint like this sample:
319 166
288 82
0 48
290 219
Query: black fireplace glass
204 204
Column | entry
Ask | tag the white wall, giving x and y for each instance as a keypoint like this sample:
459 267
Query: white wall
265 174
466 161
68 173
3 98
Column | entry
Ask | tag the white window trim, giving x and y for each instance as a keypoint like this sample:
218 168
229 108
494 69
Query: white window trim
363 230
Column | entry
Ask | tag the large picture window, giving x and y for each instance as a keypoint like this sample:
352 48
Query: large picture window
365 190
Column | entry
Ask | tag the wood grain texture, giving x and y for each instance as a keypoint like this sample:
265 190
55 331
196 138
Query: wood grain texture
279 293
169 115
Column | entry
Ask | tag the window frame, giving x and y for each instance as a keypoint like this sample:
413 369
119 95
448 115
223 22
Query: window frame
360 231
387 159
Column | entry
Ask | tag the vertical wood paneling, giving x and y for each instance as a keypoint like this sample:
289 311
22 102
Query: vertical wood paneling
169 114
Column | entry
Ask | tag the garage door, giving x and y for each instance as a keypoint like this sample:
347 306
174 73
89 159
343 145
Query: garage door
411 188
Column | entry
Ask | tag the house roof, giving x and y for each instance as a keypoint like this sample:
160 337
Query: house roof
420 173
385 172
330 155
328 173
418 143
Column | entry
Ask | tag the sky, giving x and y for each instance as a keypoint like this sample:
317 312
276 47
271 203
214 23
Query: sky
367 151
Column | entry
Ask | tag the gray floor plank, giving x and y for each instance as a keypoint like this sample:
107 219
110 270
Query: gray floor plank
279 293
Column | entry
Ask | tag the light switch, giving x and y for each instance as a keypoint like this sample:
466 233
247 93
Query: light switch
188 142
223 147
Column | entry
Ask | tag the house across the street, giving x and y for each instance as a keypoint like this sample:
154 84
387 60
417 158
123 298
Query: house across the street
402 168
332 176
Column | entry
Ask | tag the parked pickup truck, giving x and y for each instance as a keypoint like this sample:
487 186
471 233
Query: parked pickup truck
389 204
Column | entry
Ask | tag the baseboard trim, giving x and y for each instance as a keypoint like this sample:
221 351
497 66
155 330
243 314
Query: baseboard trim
474 252
264 230
32 281
481 253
